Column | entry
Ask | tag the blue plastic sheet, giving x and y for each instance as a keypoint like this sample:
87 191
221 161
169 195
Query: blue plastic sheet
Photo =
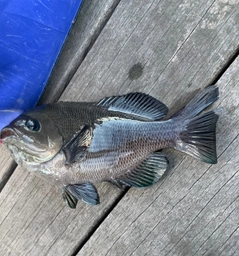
32 35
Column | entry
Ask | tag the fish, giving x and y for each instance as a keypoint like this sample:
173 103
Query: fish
118 139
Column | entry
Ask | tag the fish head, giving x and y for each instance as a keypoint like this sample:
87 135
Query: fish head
32 139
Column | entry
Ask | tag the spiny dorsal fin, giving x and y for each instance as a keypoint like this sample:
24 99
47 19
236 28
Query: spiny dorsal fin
138 104
147 173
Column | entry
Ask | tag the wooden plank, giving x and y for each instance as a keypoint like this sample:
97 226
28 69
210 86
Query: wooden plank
176 43
181 47
193 210
7 166
35 220
90 20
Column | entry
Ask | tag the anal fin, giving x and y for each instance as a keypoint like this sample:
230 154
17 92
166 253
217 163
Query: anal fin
147 173
117 183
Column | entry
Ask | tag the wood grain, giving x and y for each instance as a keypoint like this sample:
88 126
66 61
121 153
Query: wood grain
193 210
91 19
170 49
7 166
181 47
34 220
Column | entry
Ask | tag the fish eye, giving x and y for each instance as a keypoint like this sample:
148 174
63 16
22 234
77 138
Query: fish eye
33 125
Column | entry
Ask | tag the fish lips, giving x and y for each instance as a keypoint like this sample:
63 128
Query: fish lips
8 132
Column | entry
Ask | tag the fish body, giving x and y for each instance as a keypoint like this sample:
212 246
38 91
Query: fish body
118 139
108 156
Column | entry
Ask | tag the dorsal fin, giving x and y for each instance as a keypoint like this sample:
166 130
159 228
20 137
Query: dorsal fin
138 104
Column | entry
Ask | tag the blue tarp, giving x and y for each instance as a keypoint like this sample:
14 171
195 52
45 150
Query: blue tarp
32 35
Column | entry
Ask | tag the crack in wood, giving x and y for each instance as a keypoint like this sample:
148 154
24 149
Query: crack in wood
7 175
66 78
226 66
101 220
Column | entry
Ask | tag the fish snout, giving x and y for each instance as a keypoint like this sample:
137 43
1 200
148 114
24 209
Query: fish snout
7 132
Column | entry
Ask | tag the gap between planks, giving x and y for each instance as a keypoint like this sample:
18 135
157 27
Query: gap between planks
75 60
226 66
100 221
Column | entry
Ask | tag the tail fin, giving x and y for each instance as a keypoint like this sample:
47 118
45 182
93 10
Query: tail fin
198 136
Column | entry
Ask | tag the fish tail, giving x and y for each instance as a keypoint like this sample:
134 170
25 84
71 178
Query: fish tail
198 134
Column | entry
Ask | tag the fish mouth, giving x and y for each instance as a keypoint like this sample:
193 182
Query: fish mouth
8 132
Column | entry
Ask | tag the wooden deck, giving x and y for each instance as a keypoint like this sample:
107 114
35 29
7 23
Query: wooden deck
169 49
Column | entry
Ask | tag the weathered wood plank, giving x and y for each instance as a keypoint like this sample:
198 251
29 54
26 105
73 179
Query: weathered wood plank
35 221
181 47
7 166
177 43
195 208
89 22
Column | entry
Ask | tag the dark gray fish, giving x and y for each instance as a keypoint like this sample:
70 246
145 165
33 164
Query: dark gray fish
118 139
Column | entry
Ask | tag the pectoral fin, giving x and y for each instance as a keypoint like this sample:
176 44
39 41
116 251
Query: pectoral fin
147 173
74 150
85 192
